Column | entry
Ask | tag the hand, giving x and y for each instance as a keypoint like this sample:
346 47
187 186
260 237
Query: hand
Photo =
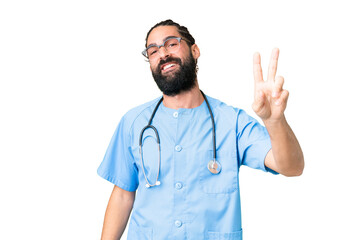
270 97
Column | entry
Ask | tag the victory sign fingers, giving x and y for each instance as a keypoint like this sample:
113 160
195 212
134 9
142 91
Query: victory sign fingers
269 94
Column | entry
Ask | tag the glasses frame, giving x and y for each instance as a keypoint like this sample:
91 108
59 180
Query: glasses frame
144 53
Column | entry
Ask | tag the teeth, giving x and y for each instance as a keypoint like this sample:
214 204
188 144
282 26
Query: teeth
167 66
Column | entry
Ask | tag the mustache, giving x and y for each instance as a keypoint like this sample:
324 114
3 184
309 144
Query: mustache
169 59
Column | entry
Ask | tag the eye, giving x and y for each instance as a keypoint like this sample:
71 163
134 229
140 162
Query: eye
151 51
171 43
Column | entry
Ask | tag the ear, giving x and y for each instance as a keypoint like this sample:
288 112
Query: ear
195 51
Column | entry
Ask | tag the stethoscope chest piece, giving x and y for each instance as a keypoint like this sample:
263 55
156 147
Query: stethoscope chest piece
214 167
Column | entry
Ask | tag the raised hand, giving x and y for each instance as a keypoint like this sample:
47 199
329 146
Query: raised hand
270 98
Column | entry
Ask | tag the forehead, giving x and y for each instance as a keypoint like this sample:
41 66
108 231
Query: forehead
158 34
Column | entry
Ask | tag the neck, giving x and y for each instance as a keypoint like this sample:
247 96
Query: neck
189 99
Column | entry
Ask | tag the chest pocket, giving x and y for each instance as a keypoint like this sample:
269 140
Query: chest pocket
224 182
225 236
136 232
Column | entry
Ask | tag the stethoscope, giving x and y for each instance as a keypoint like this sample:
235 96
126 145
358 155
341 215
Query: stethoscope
213 165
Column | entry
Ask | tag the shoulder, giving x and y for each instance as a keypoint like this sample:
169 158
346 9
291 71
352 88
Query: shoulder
233 114
133 114
223 109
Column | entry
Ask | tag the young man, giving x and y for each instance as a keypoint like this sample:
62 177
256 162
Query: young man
182 153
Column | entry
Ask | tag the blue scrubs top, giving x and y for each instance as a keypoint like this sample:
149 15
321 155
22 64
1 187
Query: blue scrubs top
191 203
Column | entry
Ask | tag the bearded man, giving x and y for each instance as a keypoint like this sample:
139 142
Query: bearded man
181 153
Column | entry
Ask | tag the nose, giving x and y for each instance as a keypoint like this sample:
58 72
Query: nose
163 53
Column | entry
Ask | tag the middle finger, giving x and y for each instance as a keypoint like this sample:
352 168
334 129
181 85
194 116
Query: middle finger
273 64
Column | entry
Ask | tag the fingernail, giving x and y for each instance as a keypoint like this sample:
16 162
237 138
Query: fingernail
277 102
274 94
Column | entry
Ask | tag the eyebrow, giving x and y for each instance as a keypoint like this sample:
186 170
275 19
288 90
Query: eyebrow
154 44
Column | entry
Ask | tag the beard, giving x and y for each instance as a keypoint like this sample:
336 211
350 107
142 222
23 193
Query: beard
178 81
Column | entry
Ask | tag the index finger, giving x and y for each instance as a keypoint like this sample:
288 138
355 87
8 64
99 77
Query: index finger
273 64
258 76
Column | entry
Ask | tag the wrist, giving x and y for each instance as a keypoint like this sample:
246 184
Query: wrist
275 122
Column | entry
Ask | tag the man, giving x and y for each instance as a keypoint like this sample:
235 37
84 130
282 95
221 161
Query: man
184 190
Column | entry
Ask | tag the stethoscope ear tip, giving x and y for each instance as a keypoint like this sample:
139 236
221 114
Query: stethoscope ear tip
148 185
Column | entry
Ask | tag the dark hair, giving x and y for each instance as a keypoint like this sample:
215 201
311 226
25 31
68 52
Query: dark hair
183 31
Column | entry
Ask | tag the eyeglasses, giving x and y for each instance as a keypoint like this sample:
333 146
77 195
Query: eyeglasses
171 45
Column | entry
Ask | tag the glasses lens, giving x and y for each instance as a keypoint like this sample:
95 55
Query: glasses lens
172 45
151 52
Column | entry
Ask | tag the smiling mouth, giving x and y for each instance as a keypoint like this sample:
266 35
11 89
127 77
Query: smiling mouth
168 67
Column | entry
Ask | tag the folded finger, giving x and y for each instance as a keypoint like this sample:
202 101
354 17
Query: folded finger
278 86
283 98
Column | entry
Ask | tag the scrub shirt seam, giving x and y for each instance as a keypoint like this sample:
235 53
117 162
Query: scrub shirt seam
219 110
131 162
131 129
130 133
239 134
137 116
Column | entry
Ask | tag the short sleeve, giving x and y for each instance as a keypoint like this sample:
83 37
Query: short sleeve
118 165
253 142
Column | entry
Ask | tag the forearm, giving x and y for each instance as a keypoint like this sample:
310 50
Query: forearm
286 149
116 215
